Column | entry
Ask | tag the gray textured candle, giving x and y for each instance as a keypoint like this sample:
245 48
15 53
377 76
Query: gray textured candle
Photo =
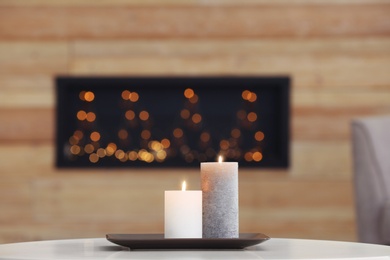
220 199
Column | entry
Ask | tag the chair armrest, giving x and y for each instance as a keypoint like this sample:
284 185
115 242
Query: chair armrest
385 223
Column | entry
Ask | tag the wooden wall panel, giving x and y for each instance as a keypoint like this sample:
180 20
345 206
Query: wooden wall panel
195 21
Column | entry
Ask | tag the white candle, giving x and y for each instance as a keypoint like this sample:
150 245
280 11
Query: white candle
183 214
220 199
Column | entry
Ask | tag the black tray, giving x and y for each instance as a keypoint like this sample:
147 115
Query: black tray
157 241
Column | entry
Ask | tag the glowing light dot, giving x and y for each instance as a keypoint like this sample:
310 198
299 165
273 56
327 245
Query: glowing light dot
130 115
145 134
165 143
89 96
253 97
248 156
245 94
81 115
95 136
75 149
101 152
119 154
91 116
205 137
189 93
125 95
133 97
185 114
133 156
111 148
144 115
235 133
81 95
252 117
259 136
123 134
89 148
93 158
196 118
78 135
177 133
257 156
194 99
224 144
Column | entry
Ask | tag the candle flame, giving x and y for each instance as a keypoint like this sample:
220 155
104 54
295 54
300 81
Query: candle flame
183 186
220 159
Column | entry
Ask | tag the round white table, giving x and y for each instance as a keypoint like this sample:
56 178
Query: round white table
275 248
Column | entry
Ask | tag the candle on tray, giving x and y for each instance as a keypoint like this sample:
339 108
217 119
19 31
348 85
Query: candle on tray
183 213
220 199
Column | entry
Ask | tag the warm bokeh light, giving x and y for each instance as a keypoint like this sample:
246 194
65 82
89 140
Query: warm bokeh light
130 115
205 137
133 97
123 134
75 149
95 136
189 93
224 144
194 99
91 116
133 156
257 156
101 152
253 97
89 96
93 158
184 186
110 149
81 115
220 159
145 134
185 114
259 136
161 155
196 118
252 117
245 94
178 133
125 95
248 156
78 134
89 148
81 95
235 133
165 143
144 115
119 154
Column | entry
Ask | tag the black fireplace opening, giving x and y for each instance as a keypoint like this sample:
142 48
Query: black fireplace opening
172 121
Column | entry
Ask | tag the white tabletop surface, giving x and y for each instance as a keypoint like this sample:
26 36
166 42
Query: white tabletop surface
275 248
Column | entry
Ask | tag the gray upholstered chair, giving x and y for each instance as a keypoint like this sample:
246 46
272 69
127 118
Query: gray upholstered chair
371 157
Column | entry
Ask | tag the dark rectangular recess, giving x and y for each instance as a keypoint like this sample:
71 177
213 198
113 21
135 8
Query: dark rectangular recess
222 104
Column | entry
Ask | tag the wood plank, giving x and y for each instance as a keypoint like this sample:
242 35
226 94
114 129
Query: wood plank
317 73
224 47
326 122
33 57
180 2
195 22
32 125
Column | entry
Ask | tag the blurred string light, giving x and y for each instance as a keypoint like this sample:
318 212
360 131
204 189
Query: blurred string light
156 150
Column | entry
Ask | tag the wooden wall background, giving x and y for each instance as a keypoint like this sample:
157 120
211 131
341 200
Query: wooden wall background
337 53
